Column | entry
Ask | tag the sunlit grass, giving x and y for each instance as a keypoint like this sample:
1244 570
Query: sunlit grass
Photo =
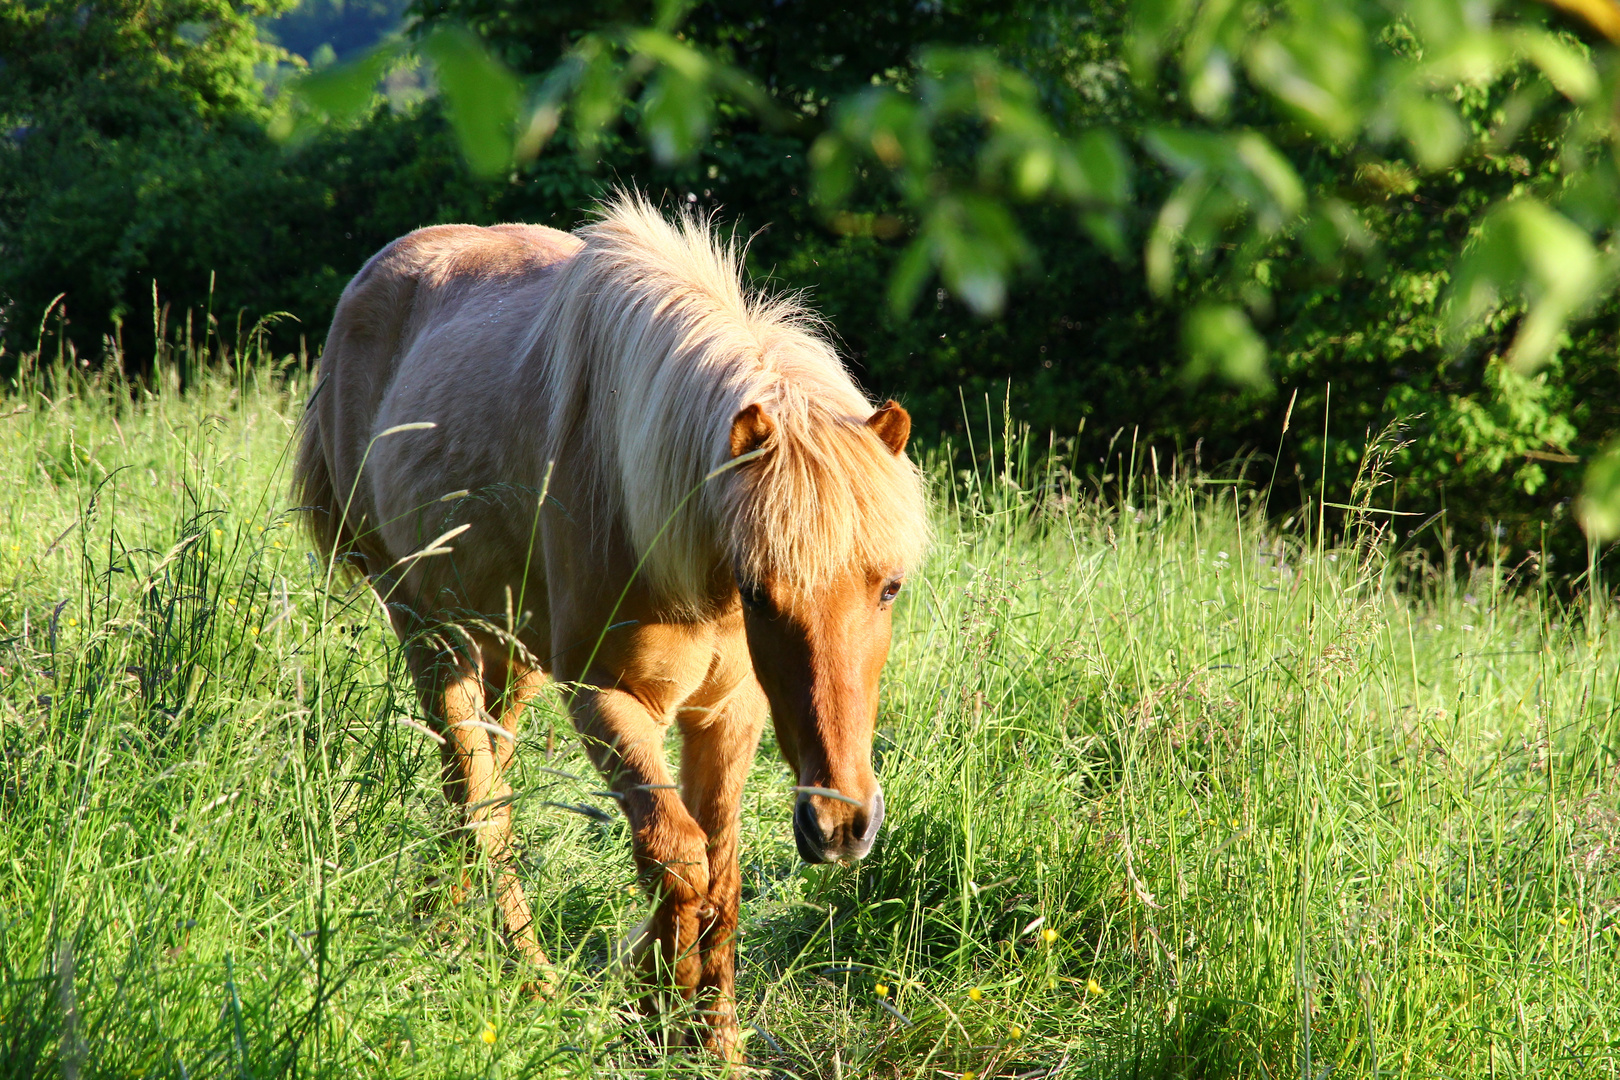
1172 792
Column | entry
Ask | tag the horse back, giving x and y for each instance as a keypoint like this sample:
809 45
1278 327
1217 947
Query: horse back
418 336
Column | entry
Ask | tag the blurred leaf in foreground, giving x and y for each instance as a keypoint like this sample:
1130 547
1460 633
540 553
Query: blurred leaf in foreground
1599 508
1220 340
1528 253
481 96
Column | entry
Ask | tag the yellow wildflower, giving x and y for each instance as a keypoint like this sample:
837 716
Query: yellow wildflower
488 1034
1015 1033
231 600
881 990
1049 935
1093 986
976 994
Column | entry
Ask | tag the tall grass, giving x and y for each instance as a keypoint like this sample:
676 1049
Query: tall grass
1174 791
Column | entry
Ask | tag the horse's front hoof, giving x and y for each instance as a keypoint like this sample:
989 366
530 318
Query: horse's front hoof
543 987
724 1040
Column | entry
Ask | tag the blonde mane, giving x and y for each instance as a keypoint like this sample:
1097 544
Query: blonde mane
650 346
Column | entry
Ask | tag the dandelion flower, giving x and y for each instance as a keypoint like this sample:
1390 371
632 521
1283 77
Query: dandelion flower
230 600
976 994
881 990
1563 920
1049 935
1015 1033
75 622
219 532
1093 986
488 1034
969 1075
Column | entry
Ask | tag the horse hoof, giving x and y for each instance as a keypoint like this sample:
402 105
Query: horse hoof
542 987
725 1042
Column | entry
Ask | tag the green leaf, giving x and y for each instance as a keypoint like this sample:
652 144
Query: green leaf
1188 152
832 170
1154 25
1219 340
344 91
670 52
1104 165
1108 229
1036 169
1317 67
1432 129
1167 233
910 272
1439 22
601 93
675 116
481 98
1273 171
1565 66
1599 506
1527 252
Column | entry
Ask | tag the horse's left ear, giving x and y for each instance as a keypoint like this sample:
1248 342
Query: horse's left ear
892 424
749 430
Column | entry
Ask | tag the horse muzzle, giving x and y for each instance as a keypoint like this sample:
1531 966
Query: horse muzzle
830 830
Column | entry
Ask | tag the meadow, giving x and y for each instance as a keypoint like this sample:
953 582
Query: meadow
1174 789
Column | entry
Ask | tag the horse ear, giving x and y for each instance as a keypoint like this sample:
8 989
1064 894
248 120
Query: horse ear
750 430
892 424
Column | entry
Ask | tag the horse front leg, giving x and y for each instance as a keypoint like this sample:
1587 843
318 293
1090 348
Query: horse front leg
625 742
452 688
717 749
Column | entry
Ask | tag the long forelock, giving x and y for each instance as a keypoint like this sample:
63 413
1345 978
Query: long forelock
821 502
654 345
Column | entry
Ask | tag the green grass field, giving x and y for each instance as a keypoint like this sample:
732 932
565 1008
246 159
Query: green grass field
1173 791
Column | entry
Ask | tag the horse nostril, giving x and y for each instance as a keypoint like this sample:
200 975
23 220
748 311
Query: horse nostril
874 819
807 833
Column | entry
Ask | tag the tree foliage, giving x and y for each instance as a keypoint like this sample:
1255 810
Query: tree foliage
1194 218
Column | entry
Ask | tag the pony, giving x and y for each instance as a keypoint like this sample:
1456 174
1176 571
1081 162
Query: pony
600 458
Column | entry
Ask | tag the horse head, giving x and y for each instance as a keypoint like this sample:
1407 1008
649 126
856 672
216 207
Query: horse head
818 650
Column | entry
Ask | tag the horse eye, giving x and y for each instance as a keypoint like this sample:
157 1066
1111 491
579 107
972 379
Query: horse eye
891 590
753 596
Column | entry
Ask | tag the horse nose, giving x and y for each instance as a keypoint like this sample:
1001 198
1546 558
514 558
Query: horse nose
874 822
844 836
807 832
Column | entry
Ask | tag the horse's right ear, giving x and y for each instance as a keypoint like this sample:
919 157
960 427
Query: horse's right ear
750 429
